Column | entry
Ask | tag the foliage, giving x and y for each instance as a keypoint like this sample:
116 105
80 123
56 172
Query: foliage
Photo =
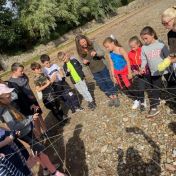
33 21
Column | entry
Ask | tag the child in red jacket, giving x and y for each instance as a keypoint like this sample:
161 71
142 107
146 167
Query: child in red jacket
138 86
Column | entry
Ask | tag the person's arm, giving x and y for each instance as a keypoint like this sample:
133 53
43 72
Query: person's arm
13 124
143 61
6 141
61 73
165 51
111 66
40 88
125 55
67 72
27 90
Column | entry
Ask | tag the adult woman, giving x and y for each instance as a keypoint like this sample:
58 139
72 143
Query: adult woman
168 19
17 121
92 56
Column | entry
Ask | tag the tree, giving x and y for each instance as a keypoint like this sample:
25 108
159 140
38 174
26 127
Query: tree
39 17
10 28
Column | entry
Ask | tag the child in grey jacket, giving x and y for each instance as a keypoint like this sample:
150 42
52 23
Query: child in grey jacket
153 53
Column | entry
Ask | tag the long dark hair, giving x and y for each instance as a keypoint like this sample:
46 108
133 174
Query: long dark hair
79 48
149 31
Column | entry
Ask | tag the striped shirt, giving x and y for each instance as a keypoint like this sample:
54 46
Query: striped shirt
8 169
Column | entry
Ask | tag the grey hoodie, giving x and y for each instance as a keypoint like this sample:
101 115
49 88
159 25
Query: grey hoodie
153 55
24 126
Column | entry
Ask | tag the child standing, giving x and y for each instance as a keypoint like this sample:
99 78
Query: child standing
134 56
119 62
43 84
56 75
25 101
73 69
153 53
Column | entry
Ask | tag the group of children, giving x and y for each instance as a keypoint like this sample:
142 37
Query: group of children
134 72
138 70
142 69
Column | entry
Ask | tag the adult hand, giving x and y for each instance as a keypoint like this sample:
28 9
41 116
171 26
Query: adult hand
85 61
173 59
142 71
17 133
35 116
93 53
135 72
130 76
2 155
34 108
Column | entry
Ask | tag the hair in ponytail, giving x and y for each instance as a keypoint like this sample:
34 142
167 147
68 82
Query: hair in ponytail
112 39
149 31
135 39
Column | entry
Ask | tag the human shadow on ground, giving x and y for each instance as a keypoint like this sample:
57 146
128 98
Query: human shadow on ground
172 126
134 165
75 154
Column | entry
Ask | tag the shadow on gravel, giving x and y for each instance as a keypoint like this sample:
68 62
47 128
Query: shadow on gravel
172 126
75 154
133 165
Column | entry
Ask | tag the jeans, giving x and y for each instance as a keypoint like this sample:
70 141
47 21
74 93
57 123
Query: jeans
104 82
83 90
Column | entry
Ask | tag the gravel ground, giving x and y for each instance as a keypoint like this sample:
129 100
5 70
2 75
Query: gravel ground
115 141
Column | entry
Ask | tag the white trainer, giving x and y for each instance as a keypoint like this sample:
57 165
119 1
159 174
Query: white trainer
136 104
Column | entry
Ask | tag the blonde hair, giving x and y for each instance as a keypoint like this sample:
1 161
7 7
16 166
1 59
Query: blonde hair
170 13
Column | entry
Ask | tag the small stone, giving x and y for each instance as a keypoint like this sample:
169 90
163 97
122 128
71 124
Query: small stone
104 148
125 119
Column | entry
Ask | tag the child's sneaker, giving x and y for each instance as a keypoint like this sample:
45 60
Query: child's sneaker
91 105
142 107
136 104
153 112
79 109
116 102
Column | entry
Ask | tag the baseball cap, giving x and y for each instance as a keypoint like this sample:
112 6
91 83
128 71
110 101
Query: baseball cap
5 89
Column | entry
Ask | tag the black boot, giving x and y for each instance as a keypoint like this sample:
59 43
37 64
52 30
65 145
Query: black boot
91 105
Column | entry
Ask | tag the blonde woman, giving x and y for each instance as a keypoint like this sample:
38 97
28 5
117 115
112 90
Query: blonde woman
168 19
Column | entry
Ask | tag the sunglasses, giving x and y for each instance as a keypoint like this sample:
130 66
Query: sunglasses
165 23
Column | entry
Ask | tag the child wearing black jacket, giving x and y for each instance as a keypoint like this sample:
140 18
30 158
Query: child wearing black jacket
73 68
